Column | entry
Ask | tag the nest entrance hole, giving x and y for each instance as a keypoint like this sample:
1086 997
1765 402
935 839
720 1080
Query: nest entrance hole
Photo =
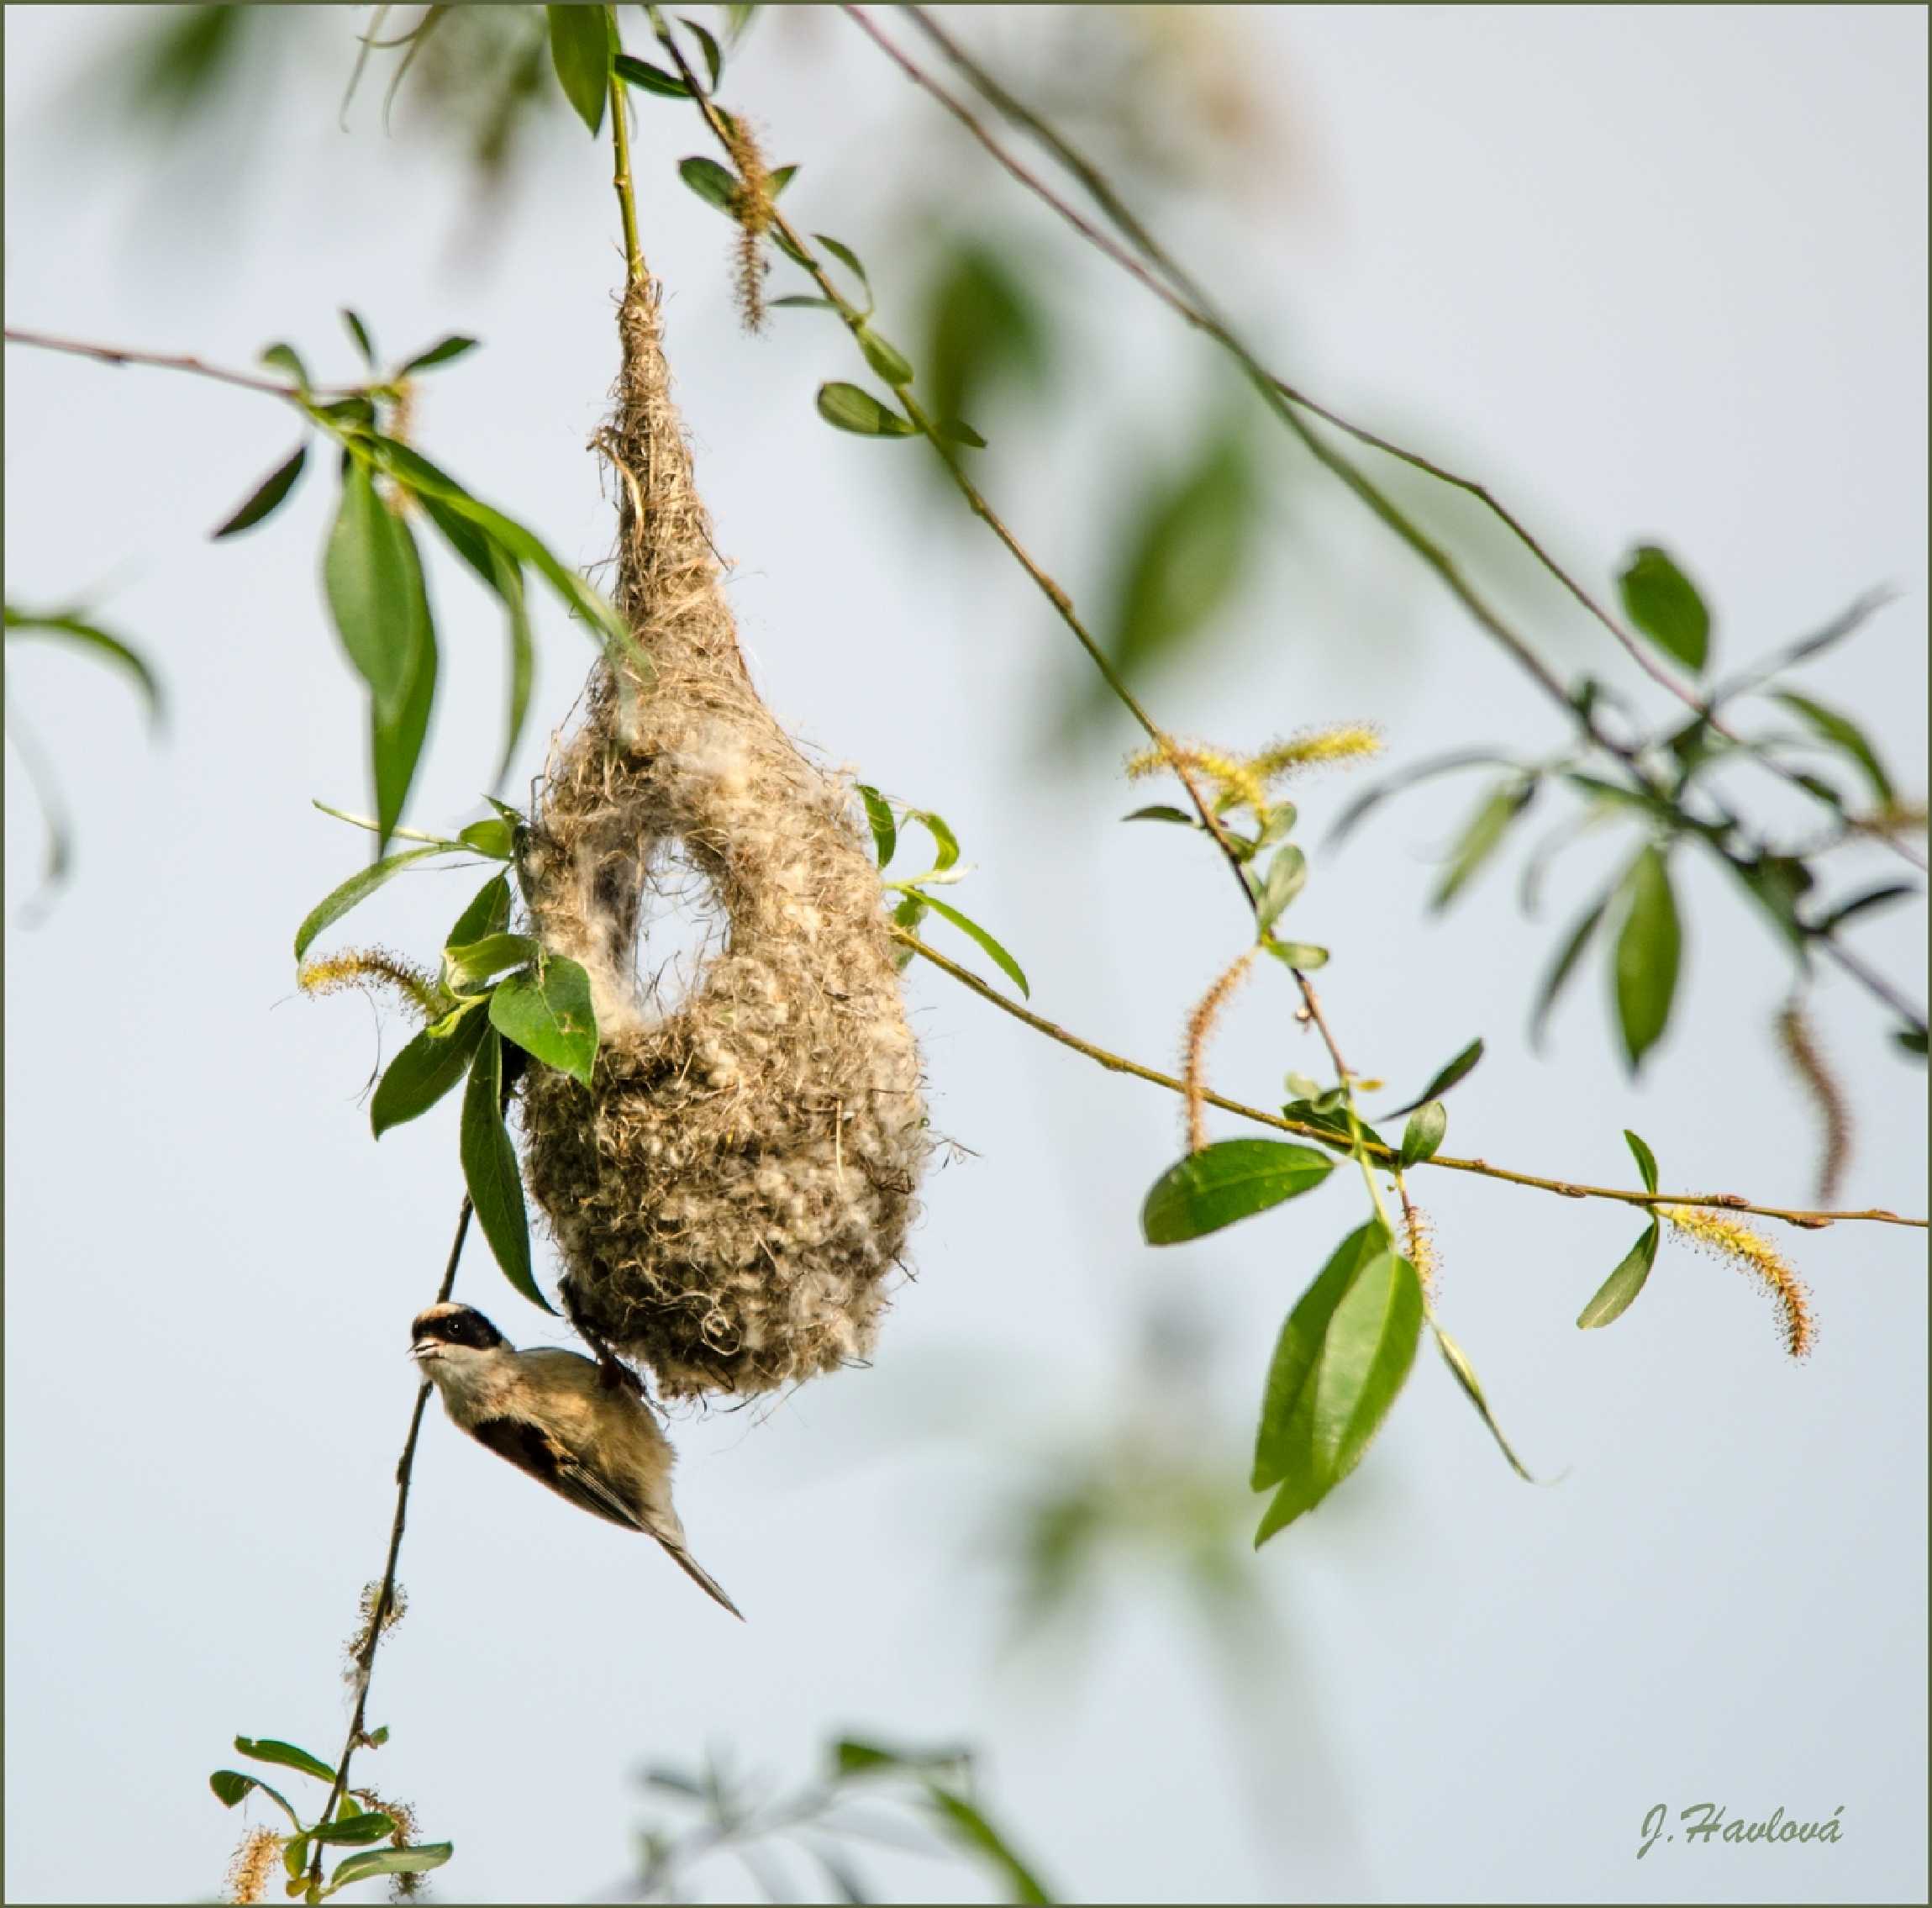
681 926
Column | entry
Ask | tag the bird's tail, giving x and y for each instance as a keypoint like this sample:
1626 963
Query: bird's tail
700 1576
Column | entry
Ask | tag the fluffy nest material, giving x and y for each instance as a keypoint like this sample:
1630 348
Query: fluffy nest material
733 1188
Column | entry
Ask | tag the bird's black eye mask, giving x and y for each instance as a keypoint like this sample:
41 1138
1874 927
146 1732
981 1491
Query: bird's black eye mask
459 1327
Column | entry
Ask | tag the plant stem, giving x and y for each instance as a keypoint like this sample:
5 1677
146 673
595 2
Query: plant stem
163 360
626 191
1386 1156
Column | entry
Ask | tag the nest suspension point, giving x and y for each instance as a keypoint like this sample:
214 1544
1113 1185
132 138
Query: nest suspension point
732 1189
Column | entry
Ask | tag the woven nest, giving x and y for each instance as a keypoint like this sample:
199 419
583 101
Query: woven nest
734 1186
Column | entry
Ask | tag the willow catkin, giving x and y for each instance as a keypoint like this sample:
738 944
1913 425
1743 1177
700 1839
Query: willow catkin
731 1190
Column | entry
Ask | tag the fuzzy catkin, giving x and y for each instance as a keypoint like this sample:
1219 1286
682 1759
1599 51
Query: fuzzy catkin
734 1187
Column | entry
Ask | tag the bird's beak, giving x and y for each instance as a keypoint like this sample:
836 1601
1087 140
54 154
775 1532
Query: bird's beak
425 1349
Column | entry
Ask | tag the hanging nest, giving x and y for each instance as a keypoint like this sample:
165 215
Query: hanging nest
731 1190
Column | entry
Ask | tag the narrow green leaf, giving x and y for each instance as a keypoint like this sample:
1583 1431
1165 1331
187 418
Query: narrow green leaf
475 964
284 358
547 1011
711 182
847 408
634 71
1561 968
957 430
1457 1360
112 649
266 498
374 585
885 358
1615 1295
1664 605
491 837
847 257
1883 896
799 301
1650 946
1364 803
424 1855
1646 1160
487 914
427 1068
396 741
852 1756
946 843
879 819
1001 959
713 60
490 1170
440 353
974 1833
1162 811
1480 838
231 1785
1303 957
1909 1039
1463 1064
266 1749
355 1831
1845 735
1230 1180
1287 875
775 182
294 1860
1366 1349
360 332
581 51
1424 1133
359 887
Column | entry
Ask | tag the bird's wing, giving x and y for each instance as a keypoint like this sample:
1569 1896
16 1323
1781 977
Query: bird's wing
551 1461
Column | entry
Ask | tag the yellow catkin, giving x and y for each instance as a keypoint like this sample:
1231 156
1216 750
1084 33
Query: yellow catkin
1348 742
1200 1025
358 1643
1418 1240
751 207
255 1864
1799 1040
368 968
1732 1239
1242 781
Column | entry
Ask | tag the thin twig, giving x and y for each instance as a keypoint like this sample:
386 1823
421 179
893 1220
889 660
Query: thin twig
386 1593
621 179
163 360
1567 1189
1190 304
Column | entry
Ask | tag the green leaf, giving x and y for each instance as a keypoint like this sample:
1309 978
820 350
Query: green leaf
266 1749
1481 838
1880 897
1365 1344
426 1855
1457 1360
1650 946
956 430
966 926
1231 1179
360 332
847 408
775 182
713 60
974 1833
847 257
547 1011
491 837
474 964
1664 603
374 584
112 649
852 1756
710 181
355 1831
1463 1064
885 359
487 914
581 51
1562 968
1372 798
1615 1295
1304 957
396 741
359 887
1646 1160
1287 875
1909 1039
800 301
266 498
1845 735
231 1785
946 843
490 1170
284 358
440 353
1424 1133
427 1068
634 71
879 818
1310 1113
1162 811
982 329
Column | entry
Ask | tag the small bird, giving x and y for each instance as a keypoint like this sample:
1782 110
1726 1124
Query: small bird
572 1424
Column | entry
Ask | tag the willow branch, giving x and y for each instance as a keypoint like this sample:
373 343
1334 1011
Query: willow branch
621 179
1190 304
163 360
365 1658
1386 1156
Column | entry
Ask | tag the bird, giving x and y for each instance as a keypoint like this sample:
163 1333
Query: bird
580 1427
